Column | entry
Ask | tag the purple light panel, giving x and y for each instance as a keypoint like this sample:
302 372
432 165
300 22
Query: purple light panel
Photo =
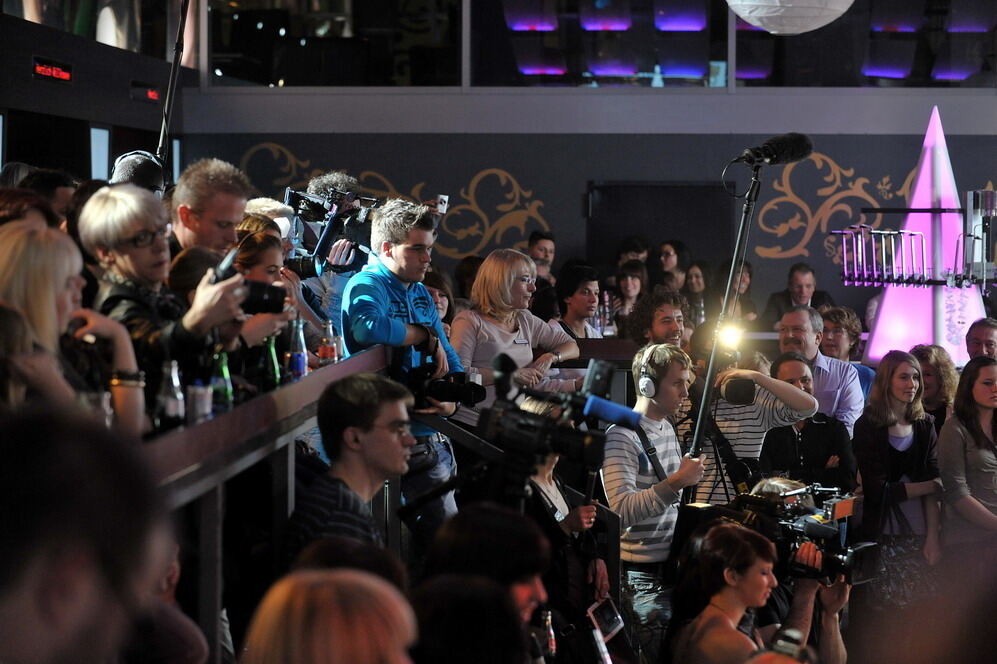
604 15
543 71
953 74
752 74
886 72
595 24
529 15
528 25
680 20
907 315
685 71
895 27
613 69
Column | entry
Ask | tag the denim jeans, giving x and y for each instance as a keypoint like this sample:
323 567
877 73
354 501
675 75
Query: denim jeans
647 608
432 515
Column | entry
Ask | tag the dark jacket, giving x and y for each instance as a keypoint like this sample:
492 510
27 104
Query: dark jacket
880 481
804 458
153 322
781 302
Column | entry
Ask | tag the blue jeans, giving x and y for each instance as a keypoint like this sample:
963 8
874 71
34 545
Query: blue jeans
647 608
432 515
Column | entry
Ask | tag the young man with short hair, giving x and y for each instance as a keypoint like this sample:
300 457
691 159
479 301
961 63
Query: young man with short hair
366 435
208 203
646 501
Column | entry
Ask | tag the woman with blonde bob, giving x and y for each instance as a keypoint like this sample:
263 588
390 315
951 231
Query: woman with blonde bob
499 321
940 379
331 617
40 277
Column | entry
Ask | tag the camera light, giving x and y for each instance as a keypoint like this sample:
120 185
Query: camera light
730 336
218 72
282 32
259 25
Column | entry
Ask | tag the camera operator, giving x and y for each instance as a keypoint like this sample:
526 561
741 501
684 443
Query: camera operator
207 205
742 419
731 570
645 490
387 304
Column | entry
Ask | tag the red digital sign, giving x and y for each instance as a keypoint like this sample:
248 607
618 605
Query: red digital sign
142 91
53 71
152 94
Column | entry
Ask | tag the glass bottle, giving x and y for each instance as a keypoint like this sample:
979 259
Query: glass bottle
170 411
327 349
297 366
608 320
269 375
222 396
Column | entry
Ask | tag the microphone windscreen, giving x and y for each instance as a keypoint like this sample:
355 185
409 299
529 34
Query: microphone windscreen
611 412
787 148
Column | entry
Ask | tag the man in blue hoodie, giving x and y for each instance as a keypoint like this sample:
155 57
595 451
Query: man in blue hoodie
387 304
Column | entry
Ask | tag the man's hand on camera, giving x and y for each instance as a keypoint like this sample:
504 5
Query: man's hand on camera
215 303
809 556
441 408
342 253
834 597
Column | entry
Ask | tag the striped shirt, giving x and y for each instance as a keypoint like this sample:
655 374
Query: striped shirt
330 508
648 520
745 428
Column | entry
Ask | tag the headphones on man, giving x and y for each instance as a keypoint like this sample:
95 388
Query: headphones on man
647 385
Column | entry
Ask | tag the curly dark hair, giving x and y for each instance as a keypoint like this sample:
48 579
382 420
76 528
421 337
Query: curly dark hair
639 321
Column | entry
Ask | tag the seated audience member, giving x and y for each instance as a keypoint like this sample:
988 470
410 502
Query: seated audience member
646 495
836 383
140 168
632 248
939 379
631 284
578 298
742 419
675 258
340 552
742 283
26 205
755 361
703 303
56 187
85 539
17 372
91 271
981 338
658 318
967 460
540 248
13 172
499 322
464 618
367 438
815 450
40 276
485 539
895 446
442 296
801 291
330 617
206 206
842 332
125 228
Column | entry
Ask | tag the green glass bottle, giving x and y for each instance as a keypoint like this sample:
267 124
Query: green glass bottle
222 396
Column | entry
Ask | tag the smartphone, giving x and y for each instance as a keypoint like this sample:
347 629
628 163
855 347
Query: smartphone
442 204
605 618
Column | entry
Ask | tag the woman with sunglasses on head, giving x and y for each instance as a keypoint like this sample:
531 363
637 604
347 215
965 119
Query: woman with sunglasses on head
499 321
126 228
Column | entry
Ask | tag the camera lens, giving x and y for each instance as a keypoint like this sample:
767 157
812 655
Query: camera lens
303 266
263 298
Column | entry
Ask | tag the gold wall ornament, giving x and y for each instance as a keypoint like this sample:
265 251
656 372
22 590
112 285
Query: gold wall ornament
791 216
296 173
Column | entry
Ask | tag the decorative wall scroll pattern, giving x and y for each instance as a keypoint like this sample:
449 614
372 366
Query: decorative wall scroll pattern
493 210
805 207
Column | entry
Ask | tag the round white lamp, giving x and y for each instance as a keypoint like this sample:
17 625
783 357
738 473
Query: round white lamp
789 17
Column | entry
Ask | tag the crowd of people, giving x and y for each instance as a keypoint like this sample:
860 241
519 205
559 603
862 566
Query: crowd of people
118 298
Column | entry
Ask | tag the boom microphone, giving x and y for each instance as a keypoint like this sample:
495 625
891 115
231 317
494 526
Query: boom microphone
779 150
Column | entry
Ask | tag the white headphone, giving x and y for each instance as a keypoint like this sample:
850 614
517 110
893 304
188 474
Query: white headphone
646 384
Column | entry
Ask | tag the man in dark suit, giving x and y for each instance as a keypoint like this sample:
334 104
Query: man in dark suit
800 292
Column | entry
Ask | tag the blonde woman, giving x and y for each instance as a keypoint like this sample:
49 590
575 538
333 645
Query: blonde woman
40 277
331 617
499 321
940 380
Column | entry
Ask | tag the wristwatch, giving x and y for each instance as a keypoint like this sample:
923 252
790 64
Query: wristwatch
557 357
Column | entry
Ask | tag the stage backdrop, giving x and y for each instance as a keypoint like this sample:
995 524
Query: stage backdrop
502 187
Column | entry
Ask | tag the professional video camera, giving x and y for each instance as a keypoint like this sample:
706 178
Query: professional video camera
338 214
789 520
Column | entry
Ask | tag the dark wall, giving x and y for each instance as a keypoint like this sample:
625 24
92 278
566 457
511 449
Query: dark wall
502 187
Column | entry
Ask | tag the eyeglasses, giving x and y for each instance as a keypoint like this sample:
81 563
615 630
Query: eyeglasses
146 238
399 429
527 280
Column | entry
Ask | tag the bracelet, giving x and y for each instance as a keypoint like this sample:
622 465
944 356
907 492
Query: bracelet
121 382
127 376
557 357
